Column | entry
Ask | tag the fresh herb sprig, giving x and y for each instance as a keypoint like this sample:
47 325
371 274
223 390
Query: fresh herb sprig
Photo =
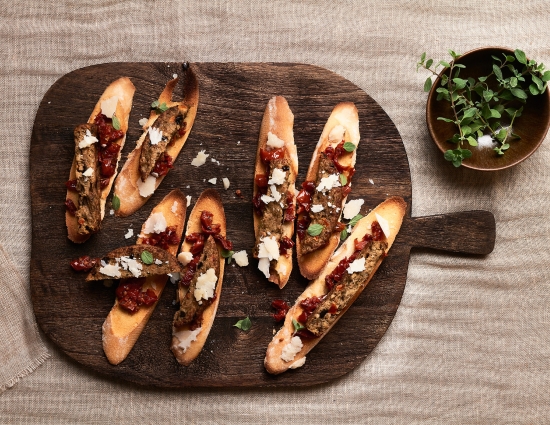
488 105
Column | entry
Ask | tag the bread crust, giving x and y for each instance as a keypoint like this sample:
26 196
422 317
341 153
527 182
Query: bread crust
124 90
279 120
126 187
344 114
121 329
393 210
208 201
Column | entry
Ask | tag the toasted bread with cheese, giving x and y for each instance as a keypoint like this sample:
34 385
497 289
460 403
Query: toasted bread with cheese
342 125
130 188
187 343
122 329
283 353
162 263
276 132
123 90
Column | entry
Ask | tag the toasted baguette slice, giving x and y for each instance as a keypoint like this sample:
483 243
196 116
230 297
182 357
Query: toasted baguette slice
393 211
127 185
124 90
163 263
343 114
208 201
278 120
122 329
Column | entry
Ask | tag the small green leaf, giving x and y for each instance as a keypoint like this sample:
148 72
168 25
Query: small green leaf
497 71
428 84
449 155
115 202
343 235
519 93
511 111
495 113
115 123
459 83
315 229
444 119
355 220
297 325
488 95
155 104
244 324
537 81
482 79
533 89
445 64
546 76
147 257
513 81
496 58
509 58
520 56
472 141
227 254
515 136
429 63
466 153
505 146
457 162
349 147
423 57
343 179
470 112
459 65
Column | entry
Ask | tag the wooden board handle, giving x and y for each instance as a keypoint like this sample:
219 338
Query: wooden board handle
467 232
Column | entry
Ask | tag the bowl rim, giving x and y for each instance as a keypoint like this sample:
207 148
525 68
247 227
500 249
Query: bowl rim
432 98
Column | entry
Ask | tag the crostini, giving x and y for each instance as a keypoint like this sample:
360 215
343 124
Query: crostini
164 135
339 284
324 192
98 146
274 192
200 285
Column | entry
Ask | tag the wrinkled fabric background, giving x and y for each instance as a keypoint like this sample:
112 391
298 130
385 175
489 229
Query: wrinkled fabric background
469 343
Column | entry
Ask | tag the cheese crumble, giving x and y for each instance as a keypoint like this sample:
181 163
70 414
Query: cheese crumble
200 159
291 349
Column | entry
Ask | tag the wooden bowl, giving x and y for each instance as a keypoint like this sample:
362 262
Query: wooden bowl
532 126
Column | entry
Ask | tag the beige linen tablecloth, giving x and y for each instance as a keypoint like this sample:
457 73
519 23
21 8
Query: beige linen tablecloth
469 343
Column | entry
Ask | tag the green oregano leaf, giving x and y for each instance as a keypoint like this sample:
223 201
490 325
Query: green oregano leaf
115 202
428 84
429 63
244 324
520 56
159 107
115 122
343 179
147 257
297 325
355 219
343 235
349 147
227 254
519 93
315 229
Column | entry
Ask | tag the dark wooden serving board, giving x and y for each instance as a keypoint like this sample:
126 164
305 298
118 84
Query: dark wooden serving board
232 100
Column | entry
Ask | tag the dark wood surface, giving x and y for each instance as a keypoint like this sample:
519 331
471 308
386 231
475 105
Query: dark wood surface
232 100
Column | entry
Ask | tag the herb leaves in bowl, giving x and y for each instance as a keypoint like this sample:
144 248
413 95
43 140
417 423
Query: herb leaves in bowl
487 109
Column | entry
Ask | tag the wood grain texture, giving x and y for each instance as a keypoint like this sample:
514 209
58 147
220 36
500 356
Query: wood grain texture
233 98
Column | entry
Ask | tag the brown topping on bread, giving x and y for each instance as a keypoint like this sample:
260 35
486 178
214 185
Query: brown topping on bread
328 217
165 263
88 214
190 312
170 122
326 313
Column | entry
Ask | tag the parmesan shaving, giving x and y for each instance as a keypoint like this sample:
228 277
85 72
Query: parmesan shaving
185 258
353 208
356 266
87 140
156 223
200 159
146 188
291 349
263 266
273 141
337 134
155 135
108 106
186 337
111 270
225 183
213 180
329 182
317 208
384 225
241 258
206 283
277 177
